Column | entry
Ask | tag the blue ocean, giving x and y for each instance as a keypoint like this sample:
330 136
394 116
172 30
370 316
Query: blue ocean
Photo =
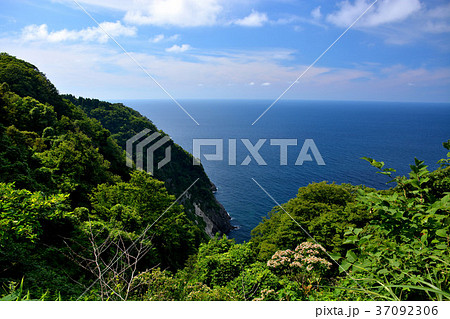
342 131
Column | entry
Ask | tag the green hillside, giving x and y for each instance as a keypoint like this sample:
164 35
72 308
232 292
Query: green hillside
77 224
124 122
61 169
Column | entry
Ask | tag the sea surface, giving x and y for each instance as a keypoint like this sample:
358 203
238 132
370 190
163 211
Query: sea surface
342 131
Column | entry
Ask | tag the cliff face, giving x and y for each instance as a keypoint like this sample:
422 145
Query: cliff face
178 175
220 219
216 220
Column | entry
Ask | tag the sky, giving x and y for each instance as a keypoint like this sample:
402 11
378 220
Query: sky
235 49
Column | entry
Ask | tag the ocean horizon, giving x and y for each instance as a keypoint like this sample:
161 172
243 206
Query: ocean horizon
343 131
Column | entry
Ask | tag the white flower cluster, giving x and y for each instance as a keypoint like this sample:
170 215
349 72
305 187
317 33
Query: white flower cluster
306 256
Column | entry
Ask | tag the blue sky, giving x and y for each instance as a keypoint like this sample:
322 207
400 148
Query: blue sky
251 49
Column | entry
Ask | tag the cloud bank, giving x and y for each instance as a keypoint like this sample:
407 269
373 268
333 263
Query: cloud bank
40 33
383 12
183 13
255 19
178 49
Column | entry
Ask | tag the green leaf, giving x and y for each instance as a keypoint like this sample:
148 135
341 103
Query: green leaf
345 265
335 256
373 162
383 271
351 256
394 263
441 233
10 297
447 145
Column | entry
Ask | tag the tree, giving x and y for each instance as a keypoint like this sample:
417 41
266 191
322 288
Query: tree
324 210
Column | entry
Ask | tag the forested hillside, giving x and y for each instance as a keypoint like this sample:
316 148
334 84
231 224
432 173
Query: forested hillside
62 172
77 224
124 122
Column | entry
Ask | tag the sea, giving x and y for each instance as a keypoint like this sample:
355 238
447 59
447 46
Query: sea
342 132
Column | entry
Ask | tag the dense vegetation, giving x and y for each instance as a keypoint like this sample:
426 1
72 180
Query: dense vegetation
63 177
124 122
76 223
377 245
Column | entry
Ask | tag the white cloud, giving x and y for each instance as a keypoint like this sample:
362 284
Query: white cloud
437 27
255 19
173 37
438 19
183 13
265 84
118 5
398 22
157 38
316 14
384 12
161 37
178 49
41 33
440 12
92 70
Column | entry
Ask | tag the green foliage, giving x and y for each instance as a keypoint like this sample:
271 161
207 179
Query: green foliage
16 292
22 212
141 206
324 210
28 113
445 162
124 122
61 160
75 165
157 285
25 79
29 223
404 253
40 152
220 261
222 270
257 282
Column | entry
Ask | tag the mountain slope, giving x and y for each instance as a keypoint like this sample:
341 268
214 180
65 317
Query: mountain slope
124 122
108 125
67 196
